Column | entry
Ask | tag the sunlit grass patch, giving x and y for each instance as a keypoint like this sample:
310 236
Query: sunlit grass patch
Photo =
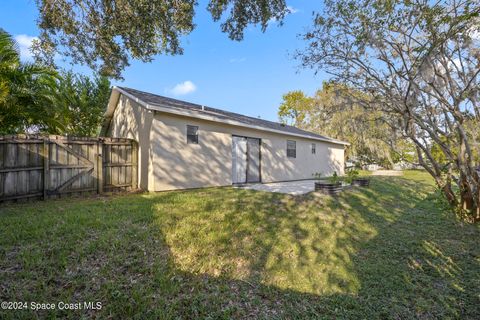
387 251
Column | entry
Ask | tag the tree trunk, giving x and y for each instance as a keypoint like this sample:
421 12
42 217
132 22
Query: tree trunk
449 194
469 204
469 198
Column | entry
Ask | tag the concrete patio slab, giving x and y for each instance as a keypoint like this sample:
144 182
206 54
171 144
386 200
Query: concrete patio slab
387 173
290 187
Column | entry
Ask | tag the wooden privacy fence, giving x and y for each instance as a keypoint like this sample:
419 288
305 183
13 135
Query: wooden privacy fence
53 166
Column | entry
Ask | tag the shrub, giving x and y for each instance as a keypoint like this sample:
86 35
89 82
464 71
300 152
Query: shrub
352 174
334 178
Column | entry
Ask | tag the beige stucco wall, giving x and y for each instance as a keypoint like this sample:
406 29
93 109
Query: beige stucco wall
131 120
167 162
178 165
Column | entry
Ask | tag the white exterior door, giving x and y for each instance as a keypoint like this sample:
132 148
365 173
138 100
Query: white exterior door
239 160
245 160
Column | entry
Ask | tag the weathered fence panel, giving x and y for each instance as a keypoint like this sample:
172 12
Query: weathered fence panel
53 166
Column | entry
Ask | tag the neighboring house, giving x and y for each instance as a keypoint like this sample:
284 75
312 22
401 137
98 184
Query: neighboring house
185 145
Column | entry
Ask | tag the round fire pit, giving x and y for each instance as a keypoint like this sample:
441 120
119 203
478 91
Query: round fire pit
328 188
361 182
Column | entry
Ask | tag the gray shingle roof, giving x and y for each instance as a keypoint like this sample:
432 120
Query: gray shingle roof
156 100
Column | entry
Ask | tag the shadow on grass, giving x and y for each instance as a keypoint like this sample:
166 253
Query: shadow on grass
386 251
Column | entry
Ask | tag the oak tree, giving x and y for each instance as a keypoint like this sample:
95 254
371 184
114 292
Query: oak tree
419 63
333 113
107 34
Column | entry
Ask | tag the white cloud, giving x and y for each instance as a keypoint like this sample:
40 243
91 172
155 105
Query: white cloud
25 43
292 9
183 88
236 60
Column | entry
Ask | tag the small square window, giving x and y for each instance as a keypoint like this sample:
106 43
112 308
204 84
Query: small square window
291 149
314 150
192 134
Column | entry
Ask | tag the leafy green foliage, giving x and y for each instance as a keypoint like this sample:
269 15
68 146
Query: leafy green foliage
332 112
334 178
295 108
107 34
83 102
404 151
351 175
418 65
35 98
26 92
439 156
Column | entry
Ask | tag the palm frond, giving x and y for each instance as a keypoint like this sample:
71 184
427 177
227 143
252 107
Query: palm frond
9 51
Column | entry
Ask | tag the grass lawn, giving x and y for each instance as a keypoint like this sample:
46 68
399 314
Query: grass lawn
387 251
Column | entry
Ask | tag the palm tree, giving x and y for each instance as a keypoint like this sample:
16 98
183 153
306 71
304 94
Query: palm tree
26 93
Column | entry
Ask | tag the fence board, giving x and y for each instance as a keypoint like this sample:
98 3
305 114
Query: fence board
51 166
2 155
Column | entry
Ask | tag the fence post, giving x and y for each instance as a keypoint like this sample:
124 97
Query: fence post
46 162
134 165
99 167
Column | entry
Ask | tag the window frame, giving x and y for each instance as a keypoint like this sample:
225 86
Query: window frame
314 148
192 138
290 150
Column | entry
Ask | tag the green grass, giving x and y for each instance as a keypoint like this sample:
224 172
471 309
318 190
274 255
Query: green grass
387 251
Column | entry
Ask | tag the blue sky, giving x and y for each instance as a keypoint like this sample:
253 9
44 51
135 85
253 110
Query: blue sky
248 77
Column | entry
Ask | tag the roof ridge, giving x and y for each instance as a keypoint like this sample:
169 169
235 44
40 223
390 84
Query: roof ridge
164 97
213 108
149 99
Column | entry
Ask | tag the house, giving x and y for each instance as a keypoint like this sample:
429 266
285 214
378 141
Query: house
184 145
